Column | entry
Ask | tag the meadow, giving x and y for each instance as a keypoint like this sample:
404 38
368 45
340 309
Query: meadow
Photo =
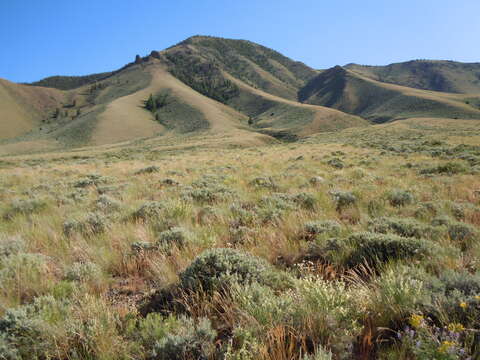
357 244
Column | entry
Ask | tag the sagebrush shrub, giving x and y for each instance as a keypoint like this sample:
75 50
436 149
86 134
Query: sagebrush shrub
219 268
107 204
314 228
148 170
373 248
82 272
404 227
176 236
91 180
11 245
190 340
399 197
24 207
463 233
263 182
150 210
343 199
336 163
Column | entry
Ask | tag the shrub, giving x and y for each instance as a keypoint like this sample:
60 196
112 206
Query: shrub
304 200
403 227
150 210
23 276
375 248
73 226
462 233
96 223
316 180
343 199
107 204
449 168
191 340
139 247
148 170
314 228
400 198
263 182
336 163
82 272
219 268
24 207
91 180
11 245
176 236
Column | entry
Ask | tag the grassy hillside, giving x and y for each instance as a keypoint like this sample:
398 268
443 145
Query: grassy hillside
447 76
358 244
23 108
353 93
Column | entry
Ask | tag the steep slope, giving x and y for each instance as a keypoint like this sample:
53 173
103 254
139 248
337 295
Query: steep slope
446 76
353 93
22 107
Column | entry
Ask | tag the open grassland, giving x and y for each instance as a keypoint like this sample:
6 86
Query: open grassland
362 243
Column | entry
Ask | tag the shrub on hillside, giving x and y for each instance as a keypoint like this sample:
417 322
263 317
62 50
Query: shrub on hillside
148 170
373 249
24 207
400 198
82 272
343 199
151 210
176 236
189 340
448 168
217 269
336 163
404 227
91 180
11 245
313 228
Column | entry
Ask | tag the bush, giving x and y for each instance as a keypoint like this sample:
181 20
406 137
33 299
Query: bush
91 224
314 228
263 182
10 246
400 198
463 233
82 272
343 199
150 210
107 204
336 163
176 236
189 341
148 170
375 248
91 180
24 207
449 168
219 268
403 227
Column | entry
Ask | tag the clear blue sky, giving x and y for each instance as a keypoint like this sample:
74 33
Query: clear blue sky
39 38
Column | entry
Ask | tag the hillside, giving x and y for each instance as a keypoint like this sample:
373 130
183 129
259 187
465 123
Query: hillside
22 107
354 93
201 85
447 76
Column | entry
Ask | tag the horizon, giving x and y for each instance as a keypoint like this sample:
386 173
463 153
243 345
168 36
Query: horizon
81 39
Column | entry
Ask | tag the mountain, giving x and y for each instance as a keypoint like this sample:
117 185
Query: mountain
229 89
201 85
354 93
447 76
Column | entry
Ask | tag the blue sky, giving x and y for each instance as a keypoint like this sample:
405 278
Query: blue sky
39 38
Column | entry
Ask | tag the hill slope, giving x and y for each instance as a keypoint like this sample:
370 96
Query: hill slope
353 93
446 76
23 107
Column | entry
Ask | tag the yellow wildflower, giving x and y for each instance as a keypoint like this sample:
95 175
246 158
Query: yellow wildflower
455 327
463 305
446 345
477 297
416 320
